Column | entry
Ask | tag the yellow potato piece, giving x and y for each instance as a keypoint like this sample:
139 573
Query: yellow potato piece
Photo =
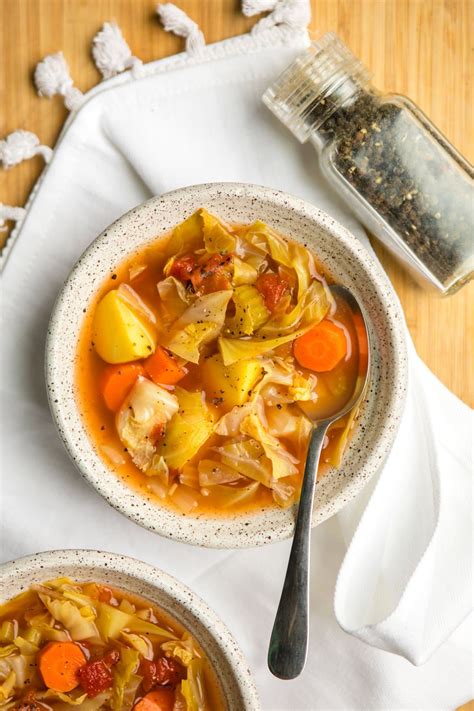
119 335
231 383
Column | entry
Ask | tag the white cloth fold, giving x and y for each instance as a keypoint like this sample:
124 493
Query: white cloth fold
405 581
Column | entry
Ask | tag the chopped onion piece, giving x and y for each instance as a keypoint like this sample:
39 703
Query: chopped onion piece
284 494
135 270
211 473
157 487
189 476
115 455
186 499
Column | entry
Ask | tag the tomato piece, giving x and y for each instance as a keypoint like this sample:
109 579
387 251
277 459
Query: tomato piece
272 287
105 594
147 670
160 700
213 273
210 273
95 677
112 657
182 267
169 671
162 672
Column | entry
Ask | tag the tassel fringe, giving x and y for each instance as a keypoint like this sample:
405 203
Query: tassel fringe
112 54
7 212
176 21
21 145
255 7
52 77
295 14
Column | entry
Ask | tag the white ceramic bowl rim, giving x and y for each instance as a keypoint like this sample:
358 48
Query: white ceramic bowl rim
338 248
236 678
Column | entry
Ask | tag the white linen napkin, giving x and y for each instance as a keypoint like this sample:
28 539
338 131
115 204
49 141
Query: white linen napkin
400 551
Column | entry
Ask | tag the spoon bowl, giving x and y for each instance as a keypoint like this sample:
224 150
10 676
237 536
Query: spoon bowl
289 639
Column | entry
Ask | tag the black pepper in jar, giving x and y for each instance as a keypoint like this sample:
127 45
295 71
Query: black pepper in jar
402 178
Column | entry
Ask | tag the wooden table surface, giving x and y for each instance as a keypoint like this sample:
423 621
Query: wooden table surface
417 47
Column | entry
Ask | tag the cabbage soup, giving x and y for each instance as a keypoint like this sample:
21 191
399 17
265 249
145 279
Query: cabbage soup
198 359
65 644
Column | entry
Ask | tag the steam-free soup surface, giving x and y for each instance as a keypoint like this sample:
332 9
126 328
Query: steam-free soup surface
65 644
197 360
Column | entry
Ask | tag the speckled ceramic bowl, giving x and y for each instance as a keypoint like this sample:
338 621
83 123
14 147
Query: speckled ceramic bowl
173 597
346 260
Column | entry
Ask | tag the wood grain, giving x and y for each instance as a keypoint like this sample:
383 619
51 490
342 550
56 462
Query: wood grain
422 48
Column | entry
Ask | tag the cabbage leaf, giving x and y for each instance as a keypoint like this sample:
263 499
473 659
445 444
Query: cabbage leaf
226 496
244 273
234 349
248 458
173 299
186 341
124 675
211 473
199 323
198 230
282 383
65 698
283 463
310 309
98 702
111 623
250 312
193 687
139 642
146 407
186 237
284 494
217 238
183 650
344 426
7 686
79 627
188 430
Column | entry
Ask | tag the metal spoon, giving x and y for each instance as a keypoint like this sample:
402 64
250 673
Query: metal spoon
289 640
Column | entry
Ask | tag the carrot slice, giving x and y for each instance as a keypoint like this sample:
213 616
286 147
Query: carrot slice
117 381
59 663
321 348
159 700
163 368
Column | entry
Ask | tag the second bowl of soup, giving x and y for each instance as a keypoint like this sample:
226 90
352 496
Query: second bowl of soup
189 342
102 631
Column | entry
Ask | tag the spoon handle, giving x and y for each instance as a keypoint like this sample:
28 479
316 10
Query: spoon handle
289 640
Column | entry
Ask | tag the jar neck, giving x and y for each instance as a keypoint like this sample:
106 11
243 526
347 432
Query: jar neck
341 94
319 82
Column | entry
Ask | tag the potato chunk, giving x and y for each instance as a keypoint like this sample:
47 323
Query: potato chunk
119 335
230 384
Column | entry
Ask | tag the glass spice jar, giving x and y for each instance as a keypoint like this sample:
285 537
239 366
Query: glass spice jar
402 178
